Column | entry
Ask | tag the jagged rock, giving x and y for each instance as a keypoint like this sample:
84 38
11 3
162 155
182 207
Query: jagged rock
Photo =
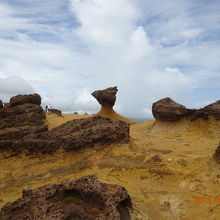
210 110
56 111
1 104
217 154
26 114
106 96
22 99
73 135
168 110
85 198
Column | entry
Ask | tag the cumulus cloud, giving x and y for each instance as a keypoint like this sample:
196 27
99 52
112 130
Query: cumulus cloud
13 85
147 48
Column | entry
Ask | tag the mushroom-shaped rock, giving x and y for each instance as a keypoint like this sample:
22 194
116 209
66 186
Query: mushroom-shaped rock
106 99
85 198
1 104
106 96
23 99
168 110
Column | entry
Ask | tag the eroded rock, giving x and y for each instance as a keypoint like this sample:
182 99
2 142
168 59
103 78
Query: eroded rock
168 110
217 154
106 96
22 99
85 198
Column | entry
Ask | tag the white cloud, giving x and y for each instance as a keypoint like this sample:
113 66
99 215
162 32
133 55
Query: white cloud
147 48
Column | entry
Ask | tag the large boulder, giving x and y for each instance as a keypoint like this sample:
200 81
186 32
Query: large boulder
22 99
85 198
106 96
71 136
168 110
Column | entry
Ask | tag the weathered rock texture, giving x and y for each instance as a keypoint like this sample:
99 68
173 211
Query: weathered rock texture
106 96
56 111
106 99
73 135
84 199
168 110
22 99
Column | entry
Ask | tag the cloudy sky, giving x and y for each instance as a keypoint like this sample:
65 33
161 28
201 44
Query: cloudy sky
150 49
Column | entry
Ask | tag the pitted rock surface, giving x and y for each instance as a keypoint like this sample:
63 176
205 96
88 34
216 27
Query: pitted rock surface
84 199
106 96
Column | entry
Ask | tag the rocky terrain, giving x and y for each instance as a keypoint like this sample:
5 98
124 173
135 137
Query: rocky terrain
169 166
85 198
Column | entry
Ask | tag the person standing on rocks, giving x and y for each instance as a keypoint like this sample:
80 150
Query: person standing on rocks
46 109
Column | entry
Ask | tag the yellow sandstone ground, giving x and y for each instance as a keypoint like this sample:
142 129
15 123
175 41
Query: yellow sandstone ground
163 167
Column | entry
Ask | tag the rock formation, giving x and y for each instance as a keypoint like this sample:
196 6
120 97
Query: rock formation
1 104
23 99
73 135
85 198
168 110
106 99
56 111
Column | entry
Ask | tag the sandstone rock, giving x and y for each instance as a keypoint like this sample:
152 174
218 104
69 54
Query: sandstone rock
56 111
22 99
106 96
26 114
85 198
73 135
1 104
168 110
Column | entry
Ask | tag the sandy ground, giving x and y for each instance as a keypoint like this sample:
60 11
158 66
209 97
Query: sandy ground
163 168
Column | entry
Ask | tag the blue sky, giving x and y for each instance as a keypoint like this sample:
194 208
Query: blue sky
150 49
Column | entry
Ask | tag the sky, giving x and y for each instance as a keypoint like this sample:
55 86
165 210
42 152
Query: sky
151 49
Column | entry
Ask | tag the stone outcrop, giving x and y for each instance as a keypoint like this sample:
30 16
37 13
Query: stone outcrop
23 99
168 110
85 198
71 136
56 111
106 99
106 96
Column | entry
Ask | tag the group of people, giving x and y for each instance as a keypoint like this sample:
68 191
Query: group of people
48 108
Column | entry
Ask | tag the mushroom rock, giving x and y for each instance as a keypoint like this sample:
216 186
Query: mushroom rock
84 198
22 99
168 110
1 104
106 99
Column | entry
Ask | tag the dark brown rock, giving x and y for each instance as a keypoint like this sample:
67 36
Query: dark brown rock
56 111
26 114
84 199
73 135
1 104
22 99
168 110
106 96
